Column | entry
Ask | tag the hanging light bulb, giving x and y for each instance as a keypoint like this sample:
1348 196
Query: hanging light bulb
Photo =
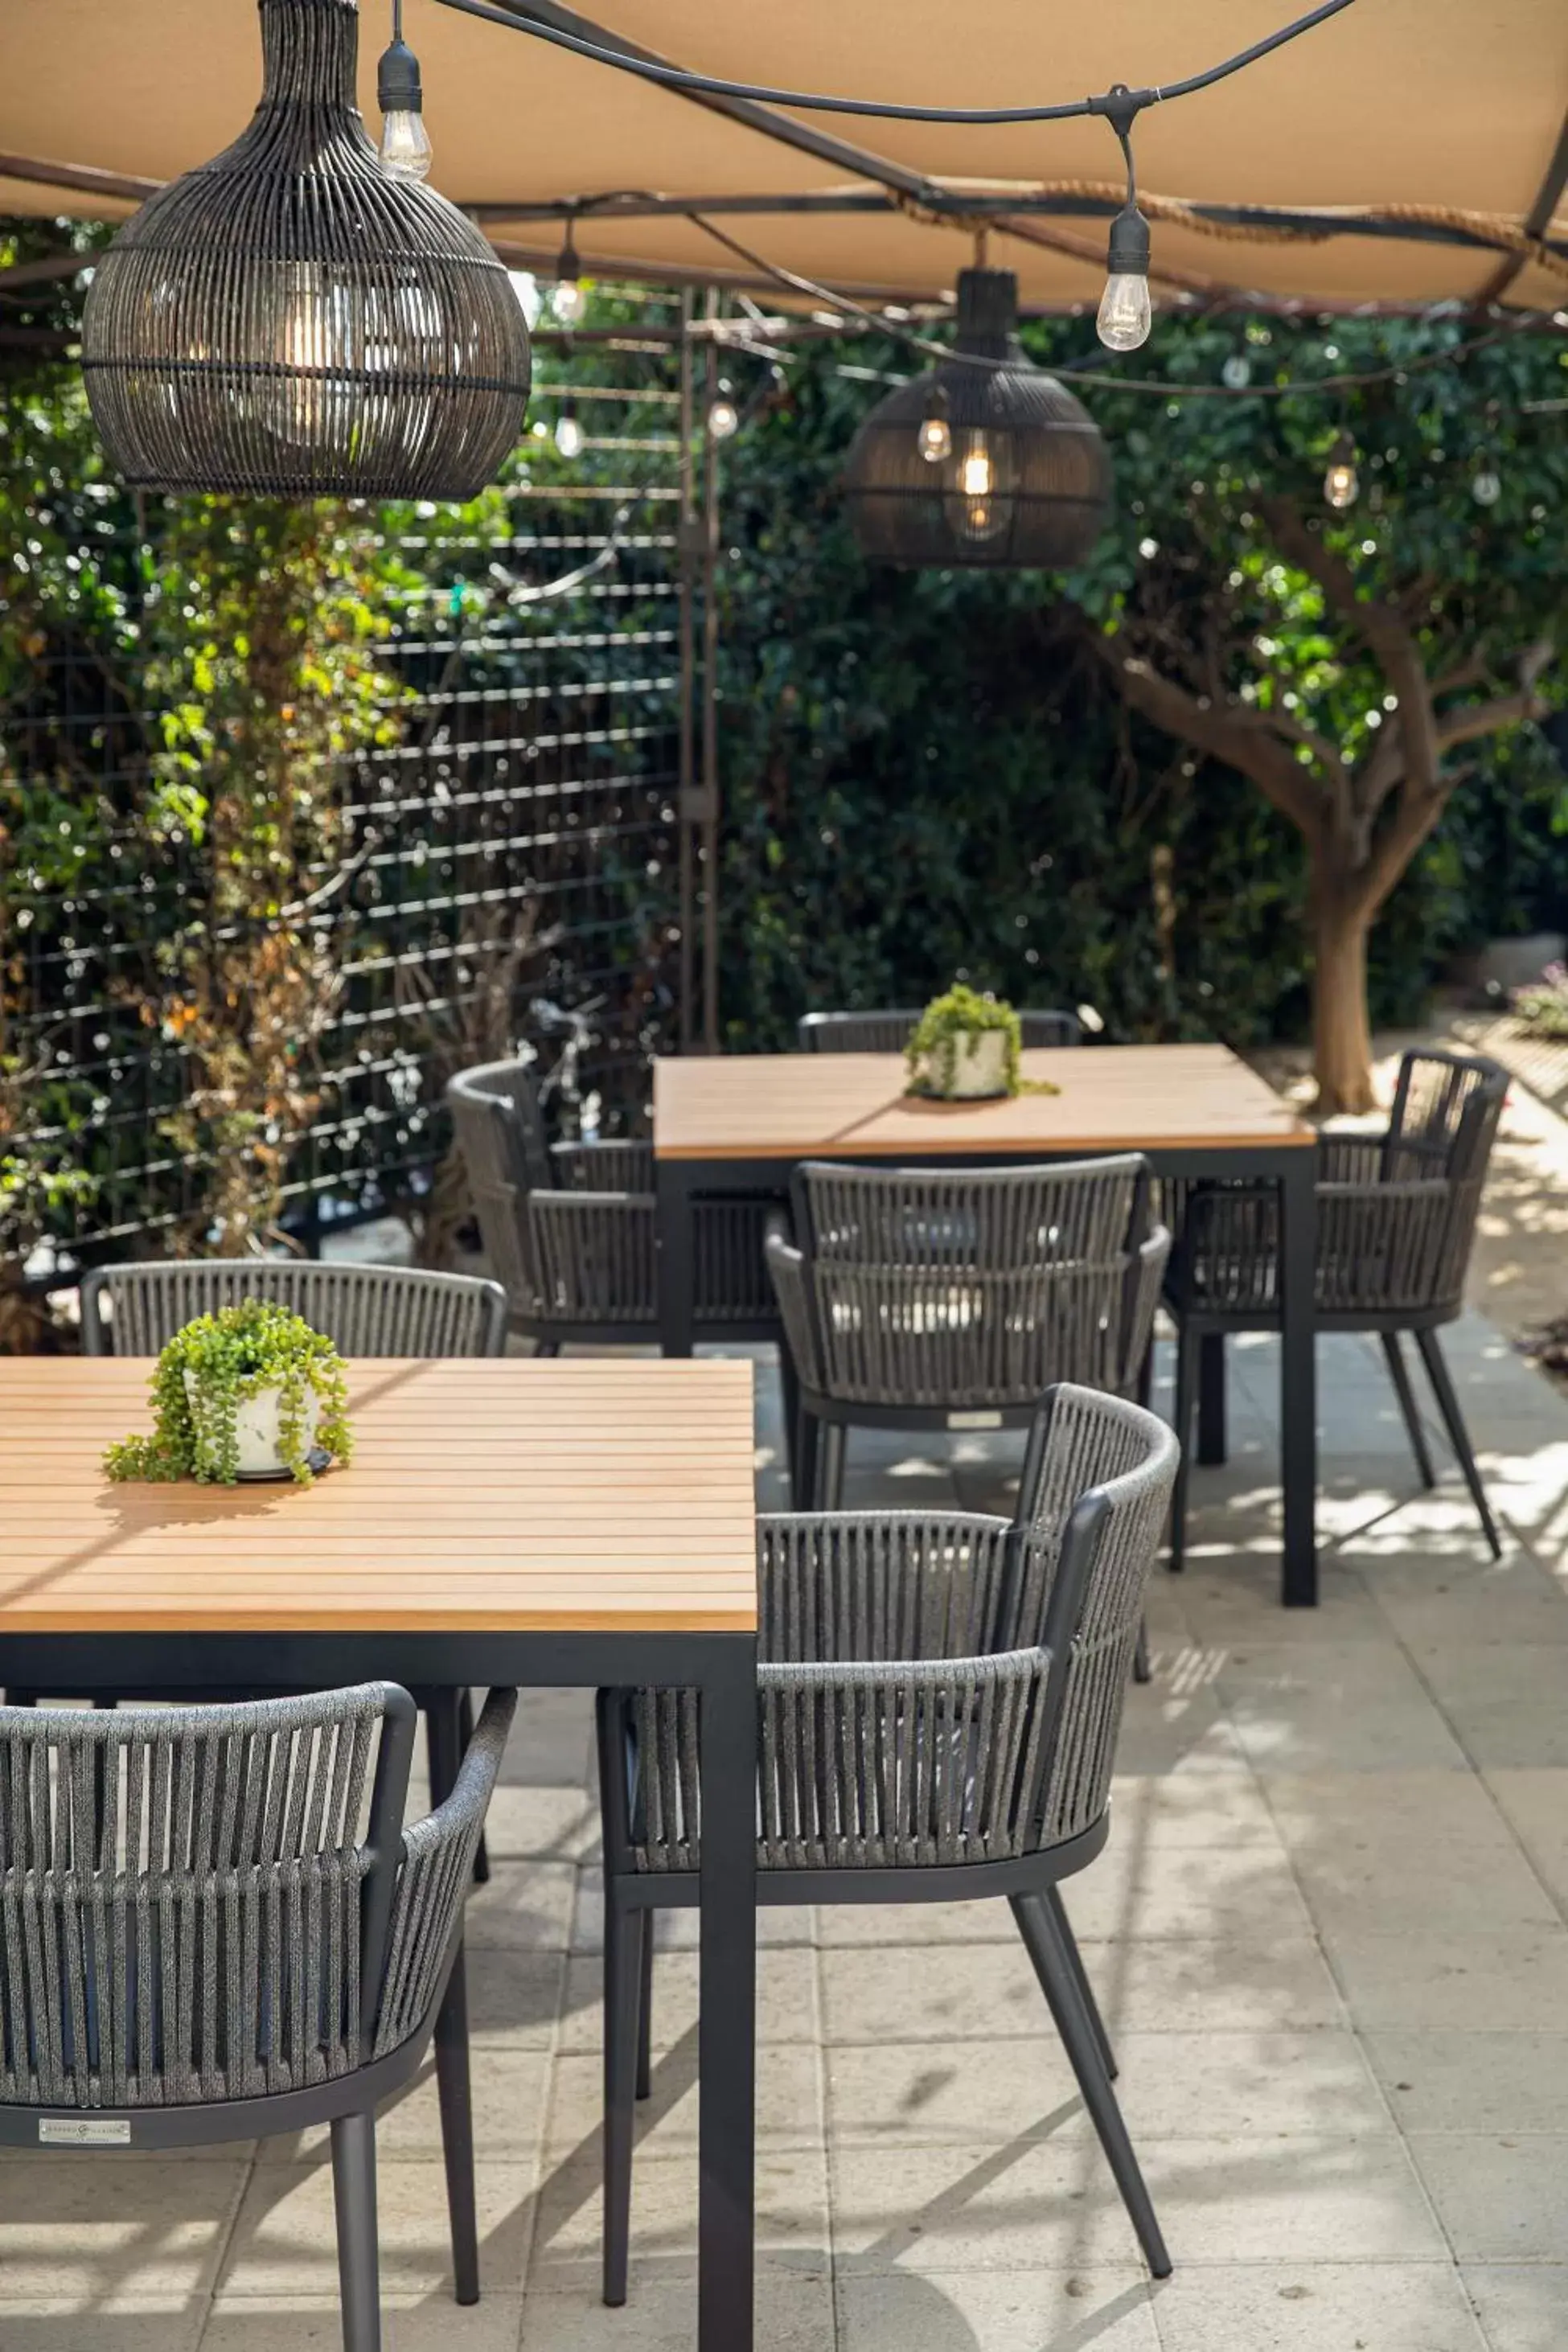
1341 483
1487 487
405 151
567 299
1236 372
934 437
976 478
1125 313
569 436
723 418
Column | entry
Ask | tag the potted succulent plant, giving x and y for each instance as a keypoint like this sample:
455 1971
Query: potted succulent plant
964 1047
248 1392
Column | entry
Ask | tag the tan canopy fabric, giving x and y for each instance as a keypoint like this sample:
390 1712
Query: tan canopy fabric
1433 114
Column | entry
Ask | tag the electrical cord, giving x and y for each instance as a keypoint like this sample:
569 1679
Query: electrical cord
1128 101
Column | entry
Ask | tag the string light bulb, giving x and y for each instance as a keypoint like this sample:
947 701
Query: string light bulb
406 152
1126 313
1487 487
976 478
723 418
1341 483
567 299
569 436
934 436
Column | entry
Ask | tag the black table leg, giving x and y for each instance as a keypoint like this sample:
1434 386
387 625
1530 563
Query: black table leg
677 1257
726 2046
1298 1377
1211 1398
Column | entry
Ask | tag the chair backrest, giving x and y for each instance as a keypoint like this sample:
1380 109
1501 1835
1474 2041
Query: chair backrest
1446 1112
501 1135
196 1902
364 1310
974 1287
889 1032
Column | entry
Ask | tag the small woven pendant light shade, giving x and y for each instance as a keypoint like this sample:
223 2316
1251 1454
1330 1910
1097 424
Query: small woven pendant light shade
289 318
1025 480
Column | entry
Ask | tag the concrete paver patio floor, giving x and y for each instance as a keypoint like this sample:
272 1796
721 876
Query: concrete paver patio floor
1329 1934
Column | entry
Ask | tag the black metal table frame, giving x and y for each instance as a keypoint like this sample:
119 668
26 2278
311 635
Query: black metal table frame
1292 1166
721 1666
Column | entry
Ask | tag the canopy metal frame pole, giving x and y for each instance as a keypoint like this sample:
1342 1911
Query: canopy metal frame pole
686 780
710 851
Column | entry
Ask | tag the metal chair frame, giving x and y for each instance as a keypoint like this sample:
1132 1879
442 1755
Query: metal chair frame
265 1921
1396 1220
1016 1641
889 1032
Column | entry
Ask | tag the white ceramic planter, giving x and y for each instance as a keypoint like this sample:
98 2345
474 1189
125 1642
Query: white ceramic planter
256 1430
979 1065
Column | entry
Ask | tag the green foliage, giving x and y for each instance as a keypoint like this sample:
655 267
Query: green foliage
929 773
1544 1005
953 1021
213 1366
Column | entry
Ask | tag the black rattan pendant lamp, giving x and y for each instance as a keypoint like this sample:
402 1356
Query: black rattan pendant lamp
994 464
292 318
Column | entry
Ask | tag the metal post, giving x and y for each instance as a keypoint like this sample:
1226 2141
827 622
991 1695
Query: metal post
709 695
684 792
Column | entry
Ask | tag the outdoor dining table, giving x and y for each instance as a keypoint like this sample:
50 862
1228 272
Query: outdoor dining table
740 1123
507 1521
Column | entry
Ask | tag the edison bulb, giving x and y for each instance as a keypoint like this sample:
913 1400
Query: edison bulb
567 301
405 149
723 419
1126 315
935 439
568 434
1341 483
975 477
1486 487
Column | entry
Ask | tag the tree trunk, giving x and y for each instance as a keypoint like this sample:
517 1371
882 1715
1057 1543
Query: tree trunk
1341 1034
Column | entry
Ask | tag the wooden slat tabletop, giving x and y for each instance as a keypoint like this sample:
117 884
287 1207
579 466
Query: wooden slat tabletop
850 1106
513 1495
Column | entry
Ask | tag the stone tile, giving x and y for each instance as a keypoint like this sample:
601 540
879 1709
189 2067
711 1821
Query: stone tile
1481 2082
1137 1888
1500 2198
285 2240
1234 1599
1316 2307
792 2214
786 1998
314 2324
1222 1805
680 1929
985 1991
88 2230
794 2312
1509 1978
120 2323
509 2090
514 1997
1504 1699
1051 2205
550 1825
1331 1706
1386 1853
1455 1604
1241 2085
552 1740
1523 2308
526 1907
1535 1803
997 2310
789 2101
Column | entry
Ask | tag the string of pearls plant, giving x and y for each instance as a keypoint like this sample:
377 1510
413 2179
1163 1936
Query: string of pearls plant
214 1367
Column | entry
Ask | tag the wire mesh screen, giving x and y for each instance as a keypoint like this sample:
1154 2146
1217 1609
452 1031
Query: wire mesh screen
510 846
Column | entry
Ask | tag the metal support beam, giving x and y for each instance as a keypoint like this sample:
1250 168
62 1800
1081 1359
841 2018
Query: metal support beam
710 694
1537 221
687 779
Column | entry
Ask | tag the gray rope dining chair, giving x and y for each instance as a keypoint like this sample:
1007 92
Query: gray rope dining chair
939 1699
926 1298
1397 1221
365 1310
217 1926
569 1229
889 1032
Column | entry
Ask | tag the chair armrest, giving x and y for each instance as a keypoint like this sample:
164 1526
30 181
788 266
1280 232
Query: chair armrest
593 1253
786 1267
433 1884
1153 1257
1350 1158
837 1585
619 1164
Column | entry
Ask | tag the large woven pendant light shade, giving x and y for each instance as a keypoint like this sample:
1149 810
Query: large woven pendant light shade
1019 477
289 318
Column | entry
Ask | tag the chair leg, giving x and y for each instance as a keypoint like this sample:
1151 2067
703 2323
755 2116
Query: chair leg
354 2193
1054 1969
465 1732
623 1936
1398 1372
1211 1398
1187 1346
1052 1899
789 1409
802 1469
1142 1667
455 2095
645 2011
1458 1435
835 1452
547 1346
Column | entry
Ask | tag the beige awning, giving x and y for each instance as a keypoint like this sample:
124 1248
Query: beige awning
1441 118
